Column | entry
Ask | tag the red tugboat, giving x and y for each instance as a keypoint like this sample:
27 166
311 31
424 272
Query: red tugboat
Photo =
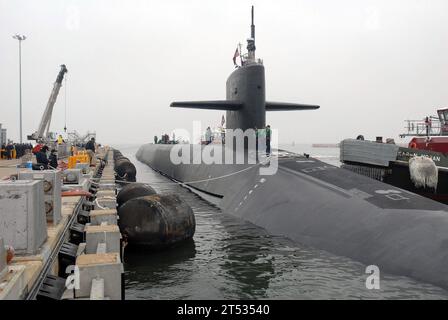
421 167
430 134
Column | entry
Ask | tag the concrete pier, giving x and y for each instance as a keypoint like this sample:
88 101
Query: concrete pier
99 265
98 260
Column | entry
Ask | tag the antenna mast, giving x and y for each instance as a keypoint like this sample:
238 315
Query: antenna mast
252 27
251 40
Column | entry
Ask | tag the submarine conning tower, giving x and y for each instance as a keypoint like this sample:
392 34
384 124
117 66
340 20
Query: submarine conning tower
245 102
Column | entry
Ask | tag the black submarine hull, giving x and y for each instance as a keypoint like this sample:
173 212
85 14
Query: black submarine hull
332 209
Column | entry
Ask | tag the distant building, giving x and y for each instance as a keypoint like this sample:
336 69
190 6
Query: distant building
2 135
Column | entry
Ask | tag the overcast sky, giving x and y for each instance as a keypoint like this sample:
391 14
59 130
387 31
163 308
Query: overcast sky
368 64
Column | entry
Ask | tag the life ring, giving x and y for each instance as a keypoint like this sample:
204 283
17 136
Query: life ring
413 145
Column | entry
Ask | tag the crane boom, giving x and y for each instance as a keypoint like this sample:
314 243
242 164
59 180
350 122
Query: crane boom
44 125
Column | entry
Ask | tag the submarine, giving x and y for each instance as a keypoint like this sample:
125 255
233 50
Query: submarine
307 200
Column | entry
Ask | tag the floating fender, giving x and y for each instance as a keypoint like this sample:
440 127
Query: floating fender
125 170
119 159
156 221
134 190
117 154
423 172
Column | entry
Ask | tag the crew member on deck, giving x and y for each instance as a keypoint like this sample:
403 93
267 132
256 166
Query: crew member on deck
208 136
268 140
256 142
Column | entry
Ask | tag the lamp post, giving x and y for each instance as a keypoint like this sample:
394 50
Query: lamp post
20 38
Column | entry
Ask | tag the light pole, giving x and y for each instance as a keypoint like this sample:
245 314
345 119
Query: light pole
20 38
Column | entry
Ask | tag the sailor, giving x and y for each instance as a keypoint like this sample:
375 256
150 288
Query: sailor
208 136
60 140
90 148
41 158
223 136
256 140
9 148
268 140
53 159
428 125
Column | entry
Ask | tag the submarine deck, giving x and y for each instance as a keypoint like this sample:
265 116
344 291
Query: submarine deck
327 207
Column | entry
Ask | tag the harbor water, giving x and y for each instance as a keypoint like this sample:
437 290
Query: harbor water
233 259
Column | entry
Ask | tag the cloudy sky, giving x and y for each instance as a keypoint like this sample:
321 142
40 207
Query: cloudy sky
368 64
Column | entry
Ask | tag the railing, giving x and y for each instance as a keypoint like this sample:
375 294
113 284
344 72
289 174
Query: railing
421 128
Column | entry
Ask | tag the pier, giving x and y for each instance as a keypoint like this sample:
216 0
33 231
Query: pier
81 255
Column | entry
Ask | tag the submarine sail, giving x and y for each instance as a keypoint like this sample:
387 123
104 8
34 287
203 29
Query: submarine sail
245 102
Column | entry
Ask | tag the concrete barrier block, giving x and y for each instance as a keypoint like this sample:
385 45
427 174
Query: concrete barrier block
107 181
105 194
105 204
99 216
108 234
23 223
13 284
106 266
52 191
107 185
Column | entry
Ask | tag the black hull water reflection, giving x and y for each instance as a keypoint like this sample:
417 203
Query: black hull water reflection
233 259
